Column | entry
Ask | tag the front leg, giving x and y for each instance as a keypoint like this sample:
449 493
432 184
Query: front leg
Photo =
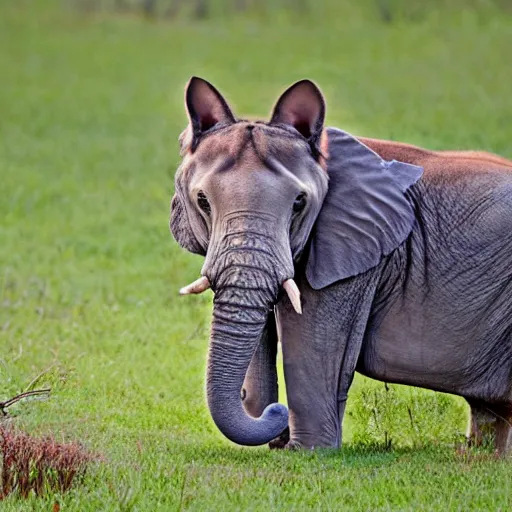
260 385
320 352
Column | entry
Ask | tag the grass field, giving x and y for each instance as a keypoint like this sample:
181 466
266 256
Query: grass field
90 111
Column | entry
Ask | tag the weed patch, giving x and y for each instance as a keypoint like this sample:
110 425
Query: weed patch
29 464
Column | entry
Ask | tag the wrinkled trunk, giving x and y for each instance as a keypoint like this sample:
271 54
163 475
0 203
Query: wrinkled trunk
246 265
236 332
245 292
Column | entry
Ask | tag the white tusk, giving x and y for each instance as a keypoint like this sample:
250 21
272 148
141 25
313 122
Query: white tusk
294 294
198 286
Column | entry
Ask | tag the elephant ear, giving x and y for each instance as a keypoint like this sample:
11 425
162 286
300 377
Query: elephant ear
365 214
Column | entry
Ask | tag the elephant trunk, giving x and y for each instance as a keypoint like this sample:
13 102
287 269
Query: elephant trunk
231 350
244 296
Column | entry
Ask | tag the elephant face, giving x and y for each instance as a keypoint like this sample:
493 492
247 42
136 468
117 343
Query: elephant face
247 197
237 176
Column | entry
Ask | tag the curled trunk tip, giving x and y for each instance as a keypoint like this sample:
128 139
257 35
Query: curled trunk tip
232 346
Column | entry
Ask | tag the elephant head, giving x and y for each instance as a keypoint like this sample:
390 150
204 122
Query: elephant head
247 196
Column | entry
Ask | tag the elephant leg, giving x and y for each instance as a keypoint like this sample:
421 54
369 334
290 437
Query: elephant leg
320 351
490 425
482 425
311 374
260 384
503 440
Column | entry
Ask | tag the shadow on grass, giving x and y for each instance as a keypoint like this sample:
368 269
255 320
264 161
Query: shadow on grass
351 456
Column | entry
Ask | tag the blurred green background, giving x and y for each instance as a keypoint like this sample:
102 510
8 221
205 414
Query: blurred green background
91 105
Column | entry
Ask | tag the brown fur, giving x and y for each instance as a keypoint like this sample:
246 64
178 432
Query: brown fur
438 162
445 162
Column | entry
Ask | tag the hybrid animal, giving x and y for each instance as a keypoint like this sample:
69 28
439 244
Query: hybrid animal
357 254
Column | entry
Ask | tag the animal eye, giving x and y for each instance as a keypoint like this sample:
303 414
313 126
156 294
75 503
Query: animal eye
203 203
299 203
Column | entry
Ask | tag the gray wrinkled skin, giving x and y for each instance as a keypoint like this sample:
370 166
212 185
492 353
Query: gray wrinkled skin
436 313
403 280
247 177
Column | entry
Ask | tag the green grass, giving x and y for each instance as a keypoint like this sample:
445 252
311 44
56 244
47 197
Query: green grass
90 111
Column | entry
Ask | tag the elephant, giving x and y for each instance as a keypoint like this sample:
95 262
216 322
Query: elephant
356 254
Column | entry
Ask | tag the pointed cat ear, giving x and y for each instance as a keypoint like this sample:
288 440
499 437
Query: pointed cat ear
302 106
365 214
205 107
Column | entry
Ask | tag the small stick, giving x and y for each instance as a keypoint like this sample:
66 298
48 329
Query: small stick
21 396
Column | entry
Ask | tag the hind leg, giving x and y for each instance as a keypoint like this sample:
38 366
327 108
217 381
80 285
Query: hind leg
503 441
482 425
490 425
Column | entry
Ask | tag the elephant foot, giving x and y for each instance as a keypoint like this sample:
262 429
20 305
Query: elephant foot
284 442
280 442
293 445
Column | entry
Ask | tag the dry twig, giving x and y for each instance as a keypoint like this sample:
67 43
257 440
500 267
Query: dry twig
42 393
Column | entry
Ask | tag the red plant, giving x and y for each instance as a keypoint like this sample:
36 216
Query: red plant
38 464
